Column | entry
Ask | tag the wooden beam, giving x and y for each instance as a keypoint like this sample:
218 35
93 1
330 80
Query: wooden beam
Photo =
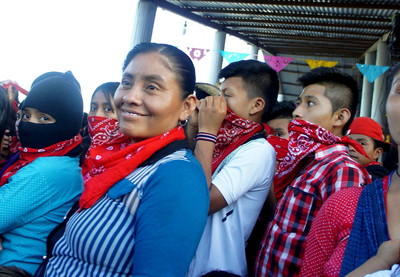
359 32
312 39
302 52
293 84
317 41
310 3
314 49
356 44
261 35
327 48
337 24
257 12
306 65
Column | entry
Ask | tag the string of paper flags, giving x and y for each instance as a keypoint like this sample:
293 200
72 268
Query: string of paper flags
371 72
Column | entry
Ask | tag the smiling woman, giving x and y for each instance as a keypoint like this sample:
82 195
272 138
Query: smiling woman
144 208
156 91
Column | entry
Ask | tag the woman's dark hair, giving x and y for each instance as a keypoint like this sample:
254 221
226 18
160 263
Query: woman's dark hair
108 90
7 114
392 72
176 60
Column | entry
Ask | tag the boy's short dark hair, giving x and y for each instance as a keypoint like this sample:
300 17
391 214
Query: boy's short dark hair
259 80
283 109
340 88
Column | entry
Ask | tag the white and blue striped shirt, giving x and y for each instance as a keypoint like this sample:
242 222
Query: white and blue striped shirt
147 224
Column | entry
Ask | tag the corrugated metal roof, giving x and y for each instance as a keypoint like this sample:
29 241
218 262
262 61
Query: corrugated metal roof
334 30
353 25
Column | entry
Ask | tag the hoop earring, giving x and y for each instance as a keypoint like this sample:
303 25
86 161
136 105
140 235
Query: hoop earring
183 123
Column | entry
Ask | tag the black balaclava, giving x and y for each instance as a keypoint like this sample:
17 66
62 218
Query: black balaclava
60 97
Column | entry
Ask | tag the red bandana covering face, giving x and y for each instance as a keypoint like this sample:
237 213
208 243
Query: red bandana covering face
234 132
280 145
306 138
105 140
281 148
113 168
28 155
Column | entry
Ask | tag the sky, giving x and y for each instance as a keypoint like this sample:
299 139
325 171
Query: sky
90 38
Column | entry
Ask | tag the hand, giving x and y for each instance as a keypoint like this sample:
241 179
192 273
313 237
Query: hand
194 117
212 111
12 92
389 252
5 144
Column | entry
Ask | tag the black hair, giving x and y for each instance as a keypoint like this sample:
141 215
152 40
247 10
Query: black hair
259 80
340 88
7 114
12 271
381 144
283 109
392 72
108 90
176 60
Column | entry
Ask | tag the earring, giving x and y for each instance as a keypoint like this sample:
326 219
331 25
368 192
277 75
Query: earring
183 123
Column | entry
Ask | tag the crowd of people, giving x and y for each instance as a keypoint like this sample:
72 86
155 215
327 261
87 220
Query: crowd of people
169 177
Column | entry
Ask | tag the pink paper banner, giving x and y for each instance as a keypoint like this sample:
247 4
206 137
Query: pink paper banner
197 53
277 63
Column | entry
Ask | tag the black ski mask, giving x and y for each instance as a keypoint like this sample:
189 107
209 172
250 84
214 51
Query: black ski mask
60 97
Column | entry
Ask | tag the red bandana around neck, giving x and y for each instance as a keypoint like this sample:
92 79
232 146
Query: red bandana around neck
306 138
105 140
234 132
373 163
28 155
113 168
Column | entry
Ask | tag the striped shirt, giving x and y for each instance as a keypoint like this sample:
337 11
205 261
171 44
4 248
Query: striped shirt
138 227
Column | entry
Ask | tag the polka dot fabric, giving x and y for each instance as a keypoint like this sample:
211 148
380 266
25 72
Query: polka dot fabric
327 240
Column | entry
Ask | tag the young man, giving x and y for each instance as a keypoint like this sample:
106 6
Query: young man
316 166
280 117
369 134
238 162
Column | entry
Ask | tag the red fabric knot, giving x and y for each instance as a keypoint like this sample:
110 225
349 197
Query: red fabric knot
113 168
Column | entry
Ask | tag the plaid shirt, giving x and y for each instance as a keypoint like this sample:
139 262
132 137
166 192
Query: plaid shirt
328 171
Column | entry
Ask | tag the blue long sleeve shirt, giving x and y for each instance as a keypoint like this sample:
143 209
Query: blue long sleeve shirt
34 202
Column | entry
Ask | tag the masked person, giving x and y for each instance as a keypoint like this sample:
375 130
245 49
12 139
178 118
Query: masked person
39 188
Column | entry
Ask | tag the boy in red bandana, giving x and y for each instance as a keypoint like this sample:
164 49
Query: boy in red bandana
239 164
368 133
316 166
